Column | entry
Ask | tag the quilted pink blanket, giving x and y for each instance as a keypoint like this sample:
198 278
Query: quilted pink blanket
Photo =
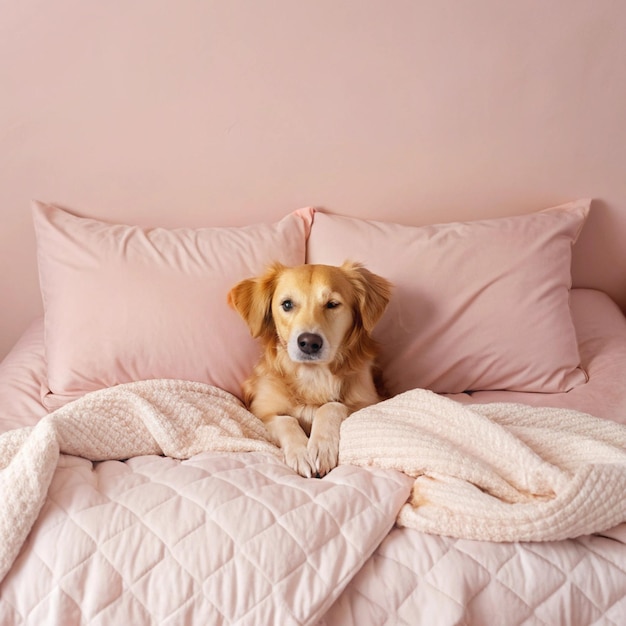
498 472
173 418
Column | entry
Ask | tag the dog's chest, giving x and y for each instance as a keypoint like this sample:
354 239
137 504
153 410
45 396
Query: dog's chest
316 386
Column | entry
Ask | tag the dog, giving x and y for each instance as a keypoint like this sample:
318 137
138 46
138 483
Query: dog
317 365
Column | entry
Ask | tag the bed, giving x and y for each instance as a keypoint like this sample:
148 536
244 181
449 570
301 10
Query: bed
488 489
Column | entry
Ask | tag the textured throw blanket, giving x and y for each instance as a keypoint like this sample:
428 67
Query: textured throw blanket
496 472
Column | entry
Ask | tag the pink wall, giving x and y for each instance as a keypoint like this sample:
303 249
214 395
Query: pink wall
209 112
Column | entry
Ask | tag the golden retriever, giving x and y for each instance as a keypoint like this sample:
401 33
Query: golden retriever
318 356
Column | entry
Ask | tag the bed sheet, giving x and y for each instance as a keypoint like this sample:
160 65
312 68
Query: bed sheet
410 578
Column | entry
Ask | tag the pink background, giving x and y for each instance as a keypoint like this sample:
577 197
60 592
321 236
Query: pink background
202 112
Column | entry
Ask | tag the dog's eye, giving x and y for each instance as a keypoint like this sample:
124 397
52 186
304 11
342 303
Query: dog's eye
287 305
333 304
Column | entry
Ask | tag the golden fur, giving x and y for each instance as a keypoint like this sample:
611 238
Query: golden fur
317 363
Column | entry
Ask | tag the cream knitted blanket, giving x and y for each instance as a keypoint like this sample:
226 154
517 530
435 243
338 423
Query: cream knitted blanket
495 472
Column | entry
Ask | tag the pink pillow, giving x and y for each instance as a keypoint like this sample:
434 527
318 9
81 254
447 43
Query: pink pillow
476 305
124 303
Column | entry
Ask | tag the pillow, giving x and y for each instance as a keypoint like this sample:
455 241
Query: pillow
476 305
124 303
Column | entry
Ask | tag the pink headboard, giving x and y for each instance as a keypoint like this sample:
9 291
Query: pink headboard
224 113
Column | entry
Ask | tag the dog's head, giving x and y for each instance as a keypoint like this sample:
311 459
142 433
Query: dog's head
314 311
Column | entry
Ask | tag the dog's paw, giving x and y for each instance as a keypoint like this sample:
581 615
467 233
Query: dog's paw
298 458
324 452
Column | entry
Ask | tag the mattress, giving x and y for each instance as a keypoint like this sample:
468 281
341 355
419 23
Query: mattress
235 537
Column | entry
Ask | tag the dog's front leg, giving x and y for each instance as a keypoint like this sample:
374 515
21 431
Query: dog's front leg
324 439
285 430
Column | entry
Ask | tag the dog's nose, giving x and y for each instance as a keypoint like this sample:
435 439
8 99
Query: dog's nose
310 343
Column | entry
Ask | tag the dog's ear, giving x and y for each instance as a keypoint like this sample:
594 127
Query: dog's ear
372 293
252 299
